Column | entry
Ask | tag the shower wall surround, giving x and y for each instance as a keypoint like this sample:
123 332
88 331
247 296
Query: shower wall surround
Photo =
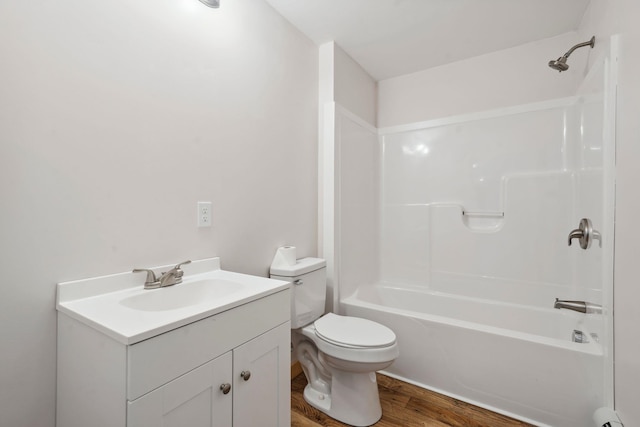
476 210
454 233
491 197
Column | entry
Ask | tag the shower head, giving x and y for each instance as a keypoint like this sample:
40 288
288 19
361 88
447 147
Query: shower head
560 64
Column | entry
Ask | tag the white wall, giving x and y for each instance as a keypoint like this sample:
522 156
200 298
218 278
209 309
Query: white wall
115 118
346 91
355 89
344 81
519 75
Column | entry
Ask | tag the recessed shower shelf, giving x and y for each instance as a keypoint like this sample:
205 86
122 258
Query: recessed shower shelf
486 221
483 214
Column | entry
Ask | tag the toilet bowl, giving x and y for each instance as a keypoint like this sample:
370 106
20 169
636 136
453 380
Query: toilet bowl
348 350
339 355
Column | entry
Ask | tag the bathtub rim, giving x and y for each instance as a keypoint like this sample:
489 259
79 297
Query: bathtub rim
593 347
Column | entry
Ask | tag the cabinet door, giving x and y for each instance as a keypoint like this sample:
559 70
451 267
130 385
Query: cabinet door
194 399
264 398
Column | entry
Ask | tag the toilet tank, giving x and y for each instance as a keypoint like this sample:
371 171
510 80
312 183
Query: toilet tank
308 290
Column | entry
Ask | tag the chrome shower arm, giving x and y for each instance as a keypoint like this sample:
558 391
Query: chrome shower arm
560 64
579 45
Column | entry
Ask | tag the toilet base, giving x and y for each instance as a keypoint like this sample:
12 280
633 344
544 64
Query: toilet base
353 400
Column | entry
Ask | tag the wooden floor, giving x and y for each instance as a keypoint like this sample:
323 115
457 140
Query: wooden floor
403 405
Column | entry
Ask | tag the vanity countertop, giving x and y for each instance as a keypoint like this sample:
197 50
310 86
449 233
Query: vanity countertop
119 306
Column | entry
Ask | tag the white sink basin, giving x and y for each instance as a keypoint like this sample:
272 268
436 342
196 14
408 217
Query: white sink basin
182 295
118 306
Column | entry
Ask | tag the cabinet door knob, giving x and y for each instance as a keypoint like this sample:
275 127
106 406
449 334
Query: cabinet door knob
226 388
245 375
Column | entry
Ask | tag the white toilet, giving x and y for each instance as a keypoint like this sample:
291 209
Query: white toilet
339 354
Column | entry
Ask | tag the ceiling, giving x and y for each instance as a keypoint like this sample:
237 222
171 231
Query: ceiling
395 37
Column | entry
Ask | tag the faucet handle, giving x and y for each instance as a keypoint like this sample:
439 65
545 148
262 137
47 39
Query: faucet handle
151 281
177 267
178 271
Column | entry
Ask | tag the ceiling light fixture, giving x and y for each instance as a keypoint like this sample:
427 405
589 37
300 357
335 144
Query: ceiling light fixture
212 3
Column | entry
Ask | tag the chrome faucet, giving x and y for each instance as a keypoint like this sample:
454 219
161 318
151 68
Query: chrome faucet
173 276
580 306
168 278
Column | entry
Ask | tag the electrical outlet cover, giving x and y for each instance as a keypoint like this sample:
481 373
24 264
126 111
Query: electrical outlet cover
204 214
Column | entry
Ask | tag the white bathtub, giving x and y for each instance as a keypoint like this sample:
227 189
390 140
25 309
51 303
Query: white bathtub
512 358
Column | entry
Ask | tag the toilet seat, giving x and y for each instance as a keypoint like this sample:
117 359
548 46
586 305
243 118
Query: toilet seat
353 332
371 348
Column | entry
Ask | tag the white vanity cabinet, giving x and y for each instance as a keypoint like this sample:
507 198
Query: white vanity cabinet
194 399
178 378
263 398
250 375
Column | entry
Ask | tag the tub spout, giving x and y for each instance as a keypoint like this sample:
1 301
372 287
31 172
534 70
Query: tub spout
580 306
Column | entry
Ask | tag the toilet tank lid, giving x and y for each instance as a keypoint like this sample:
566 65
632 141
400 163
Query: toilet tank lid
302 266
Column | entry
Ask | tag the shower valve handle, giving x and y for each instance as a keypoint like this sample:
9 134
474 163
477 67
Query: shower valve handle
576 234
585 234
